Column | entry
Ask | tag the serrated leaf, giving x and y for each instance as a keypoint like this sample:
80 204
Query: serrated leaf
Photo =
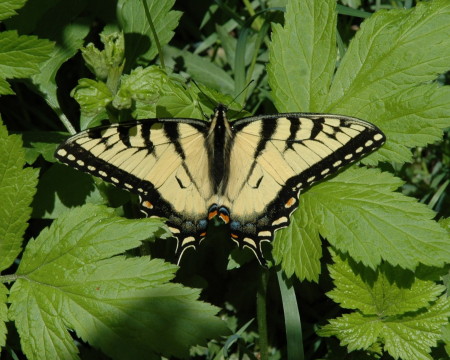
5 89
377 80
446 338
356 330
141 88
141 47
414 117
193 102
8 8
393 51
93 97
366 219
177 102
41 143
68 279
298 247
17 187
3 314
406 320
302 56
375 293
20 56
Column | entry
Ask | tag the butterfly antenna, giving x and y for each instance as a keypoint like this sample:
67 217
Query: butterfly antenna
206 96
240 93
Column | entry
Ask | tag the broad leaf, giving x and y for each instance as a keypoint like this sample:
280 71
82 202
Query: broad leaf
140 44
382 75
71 278
20 56
298 247
364 217
302 56
141 89
358 212
207 72
17 188
93 97
407 320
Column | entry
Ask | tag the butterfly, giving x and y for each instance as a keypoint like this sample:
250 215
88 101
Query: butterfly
247 173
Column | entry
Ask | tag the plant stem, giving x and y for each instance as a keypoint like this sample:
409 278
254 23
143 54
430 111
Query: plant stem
261 314
155 35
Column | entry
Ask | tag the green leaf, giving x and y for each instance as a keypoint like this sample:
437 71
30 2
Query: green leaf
140 44
41 143
61 188
17 188
8 7
93 97
393 53
227 41
415 117
298 247
366 219
446 338
292 321
54 21
68 45
71 278
374 292
406 320
102 62
140 89
302 56
358 212
193 102
177 102
20 56
5 88
207 72
3 314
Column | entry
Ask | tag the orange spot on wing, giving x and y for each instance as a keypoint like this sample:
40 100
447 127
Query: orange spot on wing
225 218
203 234
234 236
212 214
290 202
147 204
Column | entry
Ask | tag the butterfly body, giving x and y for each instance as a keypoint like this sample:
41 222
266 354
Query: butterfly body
247 173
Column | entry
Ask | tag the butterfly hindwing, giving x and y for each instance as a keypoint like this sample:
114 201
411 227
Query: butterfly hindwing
274 157
152 158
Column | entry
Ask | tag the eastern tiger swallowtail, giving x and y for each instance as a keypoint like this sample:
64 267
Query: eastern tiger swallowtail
248 173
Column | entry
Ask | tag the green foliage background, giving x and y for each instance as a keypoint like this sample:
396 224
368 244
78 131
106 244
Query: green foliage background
362 272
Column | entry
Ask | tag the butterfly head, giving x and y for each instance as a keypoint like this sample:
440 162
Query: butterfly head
219 111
